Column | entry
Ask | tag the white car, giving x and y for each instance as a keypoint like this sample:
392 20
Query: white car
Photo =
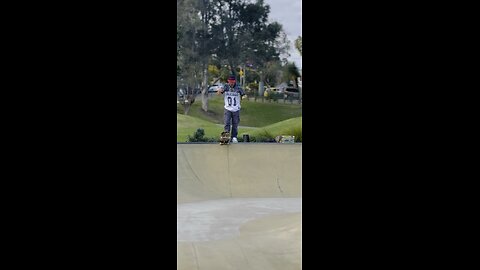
213 88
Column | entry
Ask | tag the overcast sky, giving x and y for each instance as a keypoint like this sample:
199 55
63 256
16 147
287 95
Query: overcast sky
289 14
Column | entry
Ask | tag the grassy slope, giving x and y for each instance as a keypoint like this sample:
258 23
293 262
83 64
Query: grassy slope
253 114
187 125
286 127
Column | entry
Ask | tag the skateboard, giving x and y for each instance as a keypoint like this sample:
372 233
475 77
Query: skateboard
224 138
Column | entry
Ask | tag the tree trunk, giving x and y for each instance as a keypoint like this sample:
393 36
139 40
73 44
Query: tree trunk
186 107
295 84
205 90
204 57
299 92
261 88
261 85
299 89
189 99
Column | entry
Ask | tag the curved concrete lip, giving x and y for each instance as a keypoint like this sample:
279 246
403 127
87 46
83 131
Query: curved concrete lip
239 206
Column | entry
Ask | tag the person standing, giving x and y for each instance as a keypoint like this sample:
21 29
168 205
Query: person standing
232 94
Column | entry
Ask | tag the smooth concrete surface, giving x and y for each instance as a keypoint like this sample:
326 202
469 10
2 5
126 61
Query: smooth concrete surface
239 206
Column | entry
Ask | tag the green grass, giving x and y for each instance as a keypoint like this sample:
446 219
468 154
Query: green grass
291 126
187 125
253 113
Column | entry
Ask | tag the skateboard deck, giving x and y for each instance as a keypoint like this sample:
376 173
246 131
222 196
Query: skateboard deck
224 138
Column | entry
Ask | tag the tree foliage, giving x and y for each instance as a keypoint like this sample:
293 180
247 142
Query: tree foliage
298 44
228 34
292 73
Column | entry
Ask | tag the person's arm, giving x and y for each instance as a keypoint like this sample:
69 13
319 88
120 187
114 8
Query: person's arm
220 90
242 93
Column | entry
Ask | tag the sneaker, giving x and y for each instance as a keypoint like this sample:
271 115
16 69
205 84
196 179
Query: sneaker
234 140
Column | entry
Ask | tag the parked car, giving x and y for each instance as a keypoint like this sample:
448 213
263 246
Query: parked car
214 87
274 90
291 93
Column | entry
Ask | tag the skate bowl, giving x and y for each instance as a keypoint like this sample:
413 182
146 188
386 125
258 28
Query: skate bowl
239 206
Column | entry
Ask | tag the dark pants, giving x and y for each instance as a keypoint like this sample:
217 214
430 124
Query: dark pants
231 119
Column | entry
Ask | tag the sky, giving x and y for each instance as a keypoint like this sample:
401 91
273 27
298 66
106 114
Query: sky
289 14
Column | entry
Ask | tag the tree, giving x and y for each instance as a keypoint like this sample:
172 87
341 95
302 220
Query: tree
244 34
178 52
189 57
298 44
293 74
193 17
273 73
229 32
206 47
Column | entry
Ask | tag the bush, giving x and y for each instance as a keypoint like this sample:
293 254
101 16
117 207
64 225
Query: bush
264 136
198 136
252 86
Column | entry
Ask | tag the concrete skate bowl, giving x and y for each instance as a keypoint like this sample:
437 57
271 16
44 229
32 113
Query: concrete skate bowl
239 206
